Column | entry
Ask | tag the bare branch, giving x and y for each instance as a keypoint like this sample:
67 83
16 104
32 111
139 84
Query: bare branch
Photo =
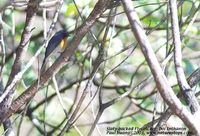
182 82
161 81
30 92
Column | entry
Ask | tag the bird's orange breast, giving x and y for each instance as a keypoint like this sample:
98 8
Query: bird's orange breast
63 43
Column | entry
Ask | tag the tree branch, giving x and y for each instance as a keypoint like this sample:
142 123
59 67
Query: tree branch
160 79
182 82
30 92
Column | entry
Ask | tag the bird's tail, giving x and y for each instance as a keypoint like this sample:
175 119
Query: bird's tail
43 67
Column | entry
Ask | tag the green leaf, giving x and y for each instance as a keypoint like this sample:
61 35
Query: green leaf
71 10
79 56
152 21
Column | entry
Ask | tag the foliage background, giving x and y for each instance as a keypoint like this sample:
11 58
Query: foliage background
124 66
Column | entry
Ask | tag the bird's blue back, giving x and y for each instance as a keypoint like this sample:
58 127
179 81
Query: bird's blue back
55 41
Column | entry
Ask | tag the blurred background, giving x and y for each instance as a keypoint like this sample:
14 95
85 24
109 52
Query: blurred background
123 68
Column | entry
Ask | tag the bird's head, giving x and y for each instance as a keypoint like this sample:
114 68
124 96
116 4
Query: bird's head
64 33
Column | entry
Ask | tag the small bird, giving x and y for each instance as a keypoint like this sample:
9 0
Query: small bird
59 39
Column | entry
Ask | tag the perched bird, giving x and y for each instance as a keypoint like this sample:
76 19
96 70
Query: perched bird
59 40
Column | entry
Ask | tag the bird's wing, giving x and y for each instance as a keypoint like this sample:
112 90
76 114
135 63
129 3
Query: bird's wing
53 43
